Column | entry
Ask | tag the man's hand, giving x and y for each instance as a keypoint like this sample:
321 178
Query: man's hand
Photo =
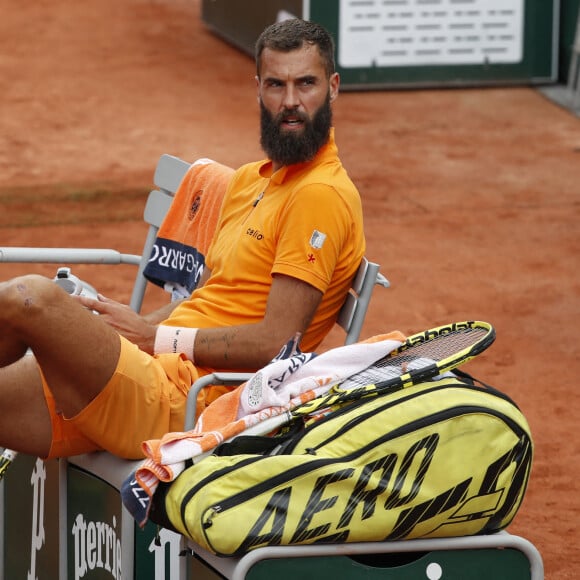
124 320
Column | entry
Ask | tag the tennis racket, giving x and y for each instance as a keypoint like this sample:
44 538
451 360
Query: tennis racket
421 357
6 459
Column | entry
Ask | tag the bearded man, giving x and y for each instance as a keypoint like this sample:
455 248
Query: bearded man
288 242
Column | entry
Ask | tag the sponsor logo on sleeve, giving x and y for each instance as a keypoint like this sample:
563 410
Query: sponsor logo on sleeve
317 239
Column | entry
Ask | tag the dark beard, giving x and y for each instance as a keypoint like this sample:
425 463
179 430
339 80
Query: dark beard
288 148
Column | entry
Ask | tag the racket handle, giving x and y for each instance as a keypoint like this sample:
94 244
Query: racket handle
6 460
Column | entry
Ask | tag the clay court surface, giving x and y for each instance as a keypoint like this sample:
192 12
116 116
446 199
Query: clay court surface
471 197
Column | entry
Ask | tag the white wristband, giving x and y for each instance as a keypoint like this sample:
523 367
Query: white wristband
173 339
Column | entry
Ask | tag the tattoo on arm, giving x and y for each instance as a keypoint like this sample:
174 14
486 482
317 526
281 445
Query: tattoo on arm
222 341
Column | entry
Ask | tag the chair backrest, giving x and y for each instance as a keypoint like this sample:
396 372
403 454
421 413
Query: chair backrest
353 312
169 174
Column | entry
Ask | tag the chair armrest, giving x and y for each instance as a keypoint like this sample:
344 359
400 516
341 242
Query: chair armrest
205 381
68 255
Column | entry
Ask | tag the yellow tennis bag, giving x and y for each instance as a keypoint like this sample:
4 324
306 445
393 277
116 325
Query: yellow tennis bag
443 458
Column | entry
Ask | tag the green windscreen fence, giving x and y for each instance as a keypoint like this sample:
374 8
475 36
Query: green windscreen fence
405 43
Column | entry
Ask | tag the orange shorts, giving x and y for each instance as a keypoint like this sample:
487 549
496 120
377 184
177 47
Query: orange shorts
144 399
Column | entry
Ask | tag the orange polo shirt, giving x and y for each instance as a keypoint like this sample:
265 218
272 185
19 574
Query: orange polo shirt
304 221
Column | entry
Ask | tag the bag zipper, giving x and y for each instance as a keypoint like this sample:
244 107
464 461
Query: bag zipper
287 447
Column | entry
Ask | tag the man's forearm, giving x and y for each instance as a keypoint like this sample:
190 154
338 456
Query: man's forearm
249 346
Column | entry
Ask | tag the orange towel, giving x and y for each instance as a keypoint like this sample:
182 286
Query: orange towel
178 256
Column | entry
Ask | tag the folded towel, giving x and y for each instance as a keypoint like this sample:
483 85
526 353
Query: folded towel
178 256
256 407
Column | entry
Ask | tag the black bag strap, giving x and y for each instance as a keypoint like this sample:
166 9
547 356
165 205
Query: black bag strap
260 444
470 379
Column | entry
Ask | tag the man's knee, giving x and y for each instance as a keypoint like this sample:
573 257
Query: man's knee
28 295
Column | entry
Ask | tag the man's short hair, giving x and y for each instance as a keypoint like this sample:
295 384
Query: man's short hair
292 34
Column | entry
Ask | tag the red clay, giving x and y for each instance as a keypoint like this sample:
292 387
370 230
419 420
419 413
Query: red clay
470 195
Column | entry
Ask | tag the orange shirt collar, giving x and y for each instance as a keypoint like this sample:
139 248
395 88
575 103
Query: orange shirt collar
329 149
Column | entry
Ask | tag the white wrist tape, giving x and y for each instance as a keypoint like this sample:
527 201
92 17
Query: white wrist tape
172 339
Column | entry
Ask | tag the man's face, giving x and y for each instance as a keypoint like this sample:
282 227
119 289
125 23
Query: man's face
295 98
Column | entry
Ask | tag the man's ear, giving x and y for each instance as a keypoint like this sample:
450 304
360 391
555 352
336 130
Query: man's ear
334 86
257 88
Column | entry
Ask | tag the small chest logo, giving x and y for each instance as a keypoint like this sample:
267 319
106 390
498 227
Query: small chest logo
254 233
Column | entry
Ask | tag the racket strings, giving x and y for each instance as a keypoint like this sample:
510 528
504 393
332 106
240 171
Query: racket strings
415 357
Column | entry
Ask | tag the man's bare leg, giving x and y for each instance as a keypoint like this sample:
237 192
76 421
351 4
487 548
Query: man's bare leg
76 350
